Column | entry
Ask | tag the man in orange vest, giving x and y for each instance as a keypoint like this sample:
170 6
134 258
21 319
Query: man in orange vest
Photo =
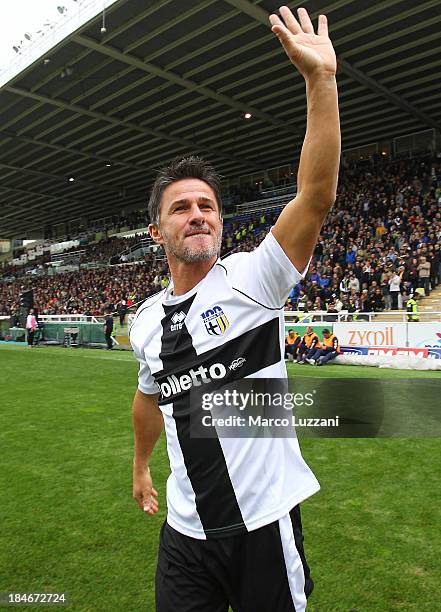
329 350
310 343
292 342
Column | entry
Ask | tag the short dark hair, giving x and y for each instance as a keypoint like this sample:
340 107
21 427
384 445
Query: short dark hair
180 168
326 331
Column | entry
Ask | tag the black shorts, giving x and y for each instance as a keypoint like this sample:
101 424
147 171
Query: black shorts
264 570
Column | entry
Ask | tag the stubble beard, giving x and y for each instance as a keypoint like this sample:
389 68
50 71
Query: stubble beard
188 254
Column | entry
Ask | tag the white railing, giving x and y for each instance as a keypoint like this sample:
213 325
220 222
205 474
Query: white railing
279 191
70 318
393 316
66 257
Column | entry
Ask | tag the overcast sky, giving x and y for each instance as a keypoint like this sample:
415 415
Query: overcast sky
20 16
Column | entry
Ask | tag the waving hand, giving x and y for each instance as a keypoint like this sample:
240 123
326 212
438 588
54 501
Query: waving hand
309 52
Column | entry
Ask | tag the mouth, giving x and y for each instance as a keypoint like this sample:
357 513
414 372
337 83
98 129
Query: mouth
197 233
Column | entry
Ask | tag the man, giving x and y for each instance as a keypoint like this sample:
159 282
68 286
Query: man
424 275
292 342
329 350
310 343
354 283
412 307
108 329
31 326
122 311
377 300
233 531
394 288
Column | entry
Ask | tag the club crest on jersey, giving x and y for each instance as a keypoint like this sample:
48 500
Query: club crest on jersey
216 322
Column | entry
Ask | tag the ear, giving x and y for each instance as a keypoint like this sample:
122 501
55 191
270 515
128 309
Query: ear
155 233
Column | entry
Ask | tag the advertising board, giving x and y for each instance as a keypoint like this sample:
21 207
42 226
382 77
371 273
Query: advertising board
371 334
429 353
426 335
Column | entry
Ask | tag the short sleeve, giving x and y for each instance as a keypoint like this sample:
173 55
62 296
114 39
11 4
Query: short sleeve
267 275
146 382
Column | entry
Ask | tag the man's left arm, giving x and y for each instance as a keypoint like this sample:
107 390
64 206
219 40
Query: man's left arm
299 224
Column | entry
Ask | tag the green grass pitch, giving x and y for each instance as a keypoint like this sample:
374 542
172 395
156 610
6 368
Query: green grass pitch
68 522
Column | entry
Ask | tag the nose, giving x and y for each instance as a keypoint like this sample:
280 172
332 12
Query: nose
196 215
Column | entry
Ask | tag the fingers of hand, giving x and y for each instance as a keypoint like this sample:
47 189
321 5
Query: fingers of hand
322 25
290 21
291 25
275 20
305 21
150 504
278 27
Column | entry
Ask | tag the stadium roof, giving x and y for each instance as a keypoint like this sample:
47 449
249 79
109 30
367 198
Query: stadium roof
171 77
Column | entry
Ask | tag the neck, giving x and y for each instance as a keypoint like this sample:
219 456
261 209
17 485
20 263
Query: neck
186 275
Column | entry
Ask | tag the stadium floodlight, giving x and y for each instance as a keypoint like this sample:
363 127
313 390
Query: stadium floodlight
71 179
248 115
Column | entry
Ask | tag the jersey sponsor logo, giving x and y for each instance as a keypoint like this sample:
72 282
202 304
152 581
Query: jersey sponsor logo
177 321
173 384
216 321
179 378
237 363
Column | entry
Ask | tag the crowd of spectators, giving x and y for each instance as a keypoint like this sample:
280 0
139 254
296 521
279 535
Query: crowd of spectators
88 292
380 242
110 250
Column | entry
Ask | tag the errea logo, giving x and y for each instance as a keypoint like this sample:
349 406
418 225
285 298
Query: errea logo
177 321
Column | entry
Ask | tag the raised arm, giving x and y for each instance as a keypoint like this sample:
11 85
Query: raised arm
299 224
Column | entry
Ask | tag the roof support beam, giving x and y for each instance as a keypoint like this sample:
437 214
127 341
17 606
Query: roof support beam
386 93
193 146
64 149
171 77
261 15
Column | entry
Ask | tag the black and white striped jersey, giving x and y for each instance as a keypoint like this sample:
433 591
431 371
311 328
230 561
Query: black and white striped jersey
228 327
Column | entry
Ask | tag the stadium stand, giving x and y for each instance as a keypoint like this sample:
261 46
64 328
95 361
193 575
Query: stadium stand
91 105
369 257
